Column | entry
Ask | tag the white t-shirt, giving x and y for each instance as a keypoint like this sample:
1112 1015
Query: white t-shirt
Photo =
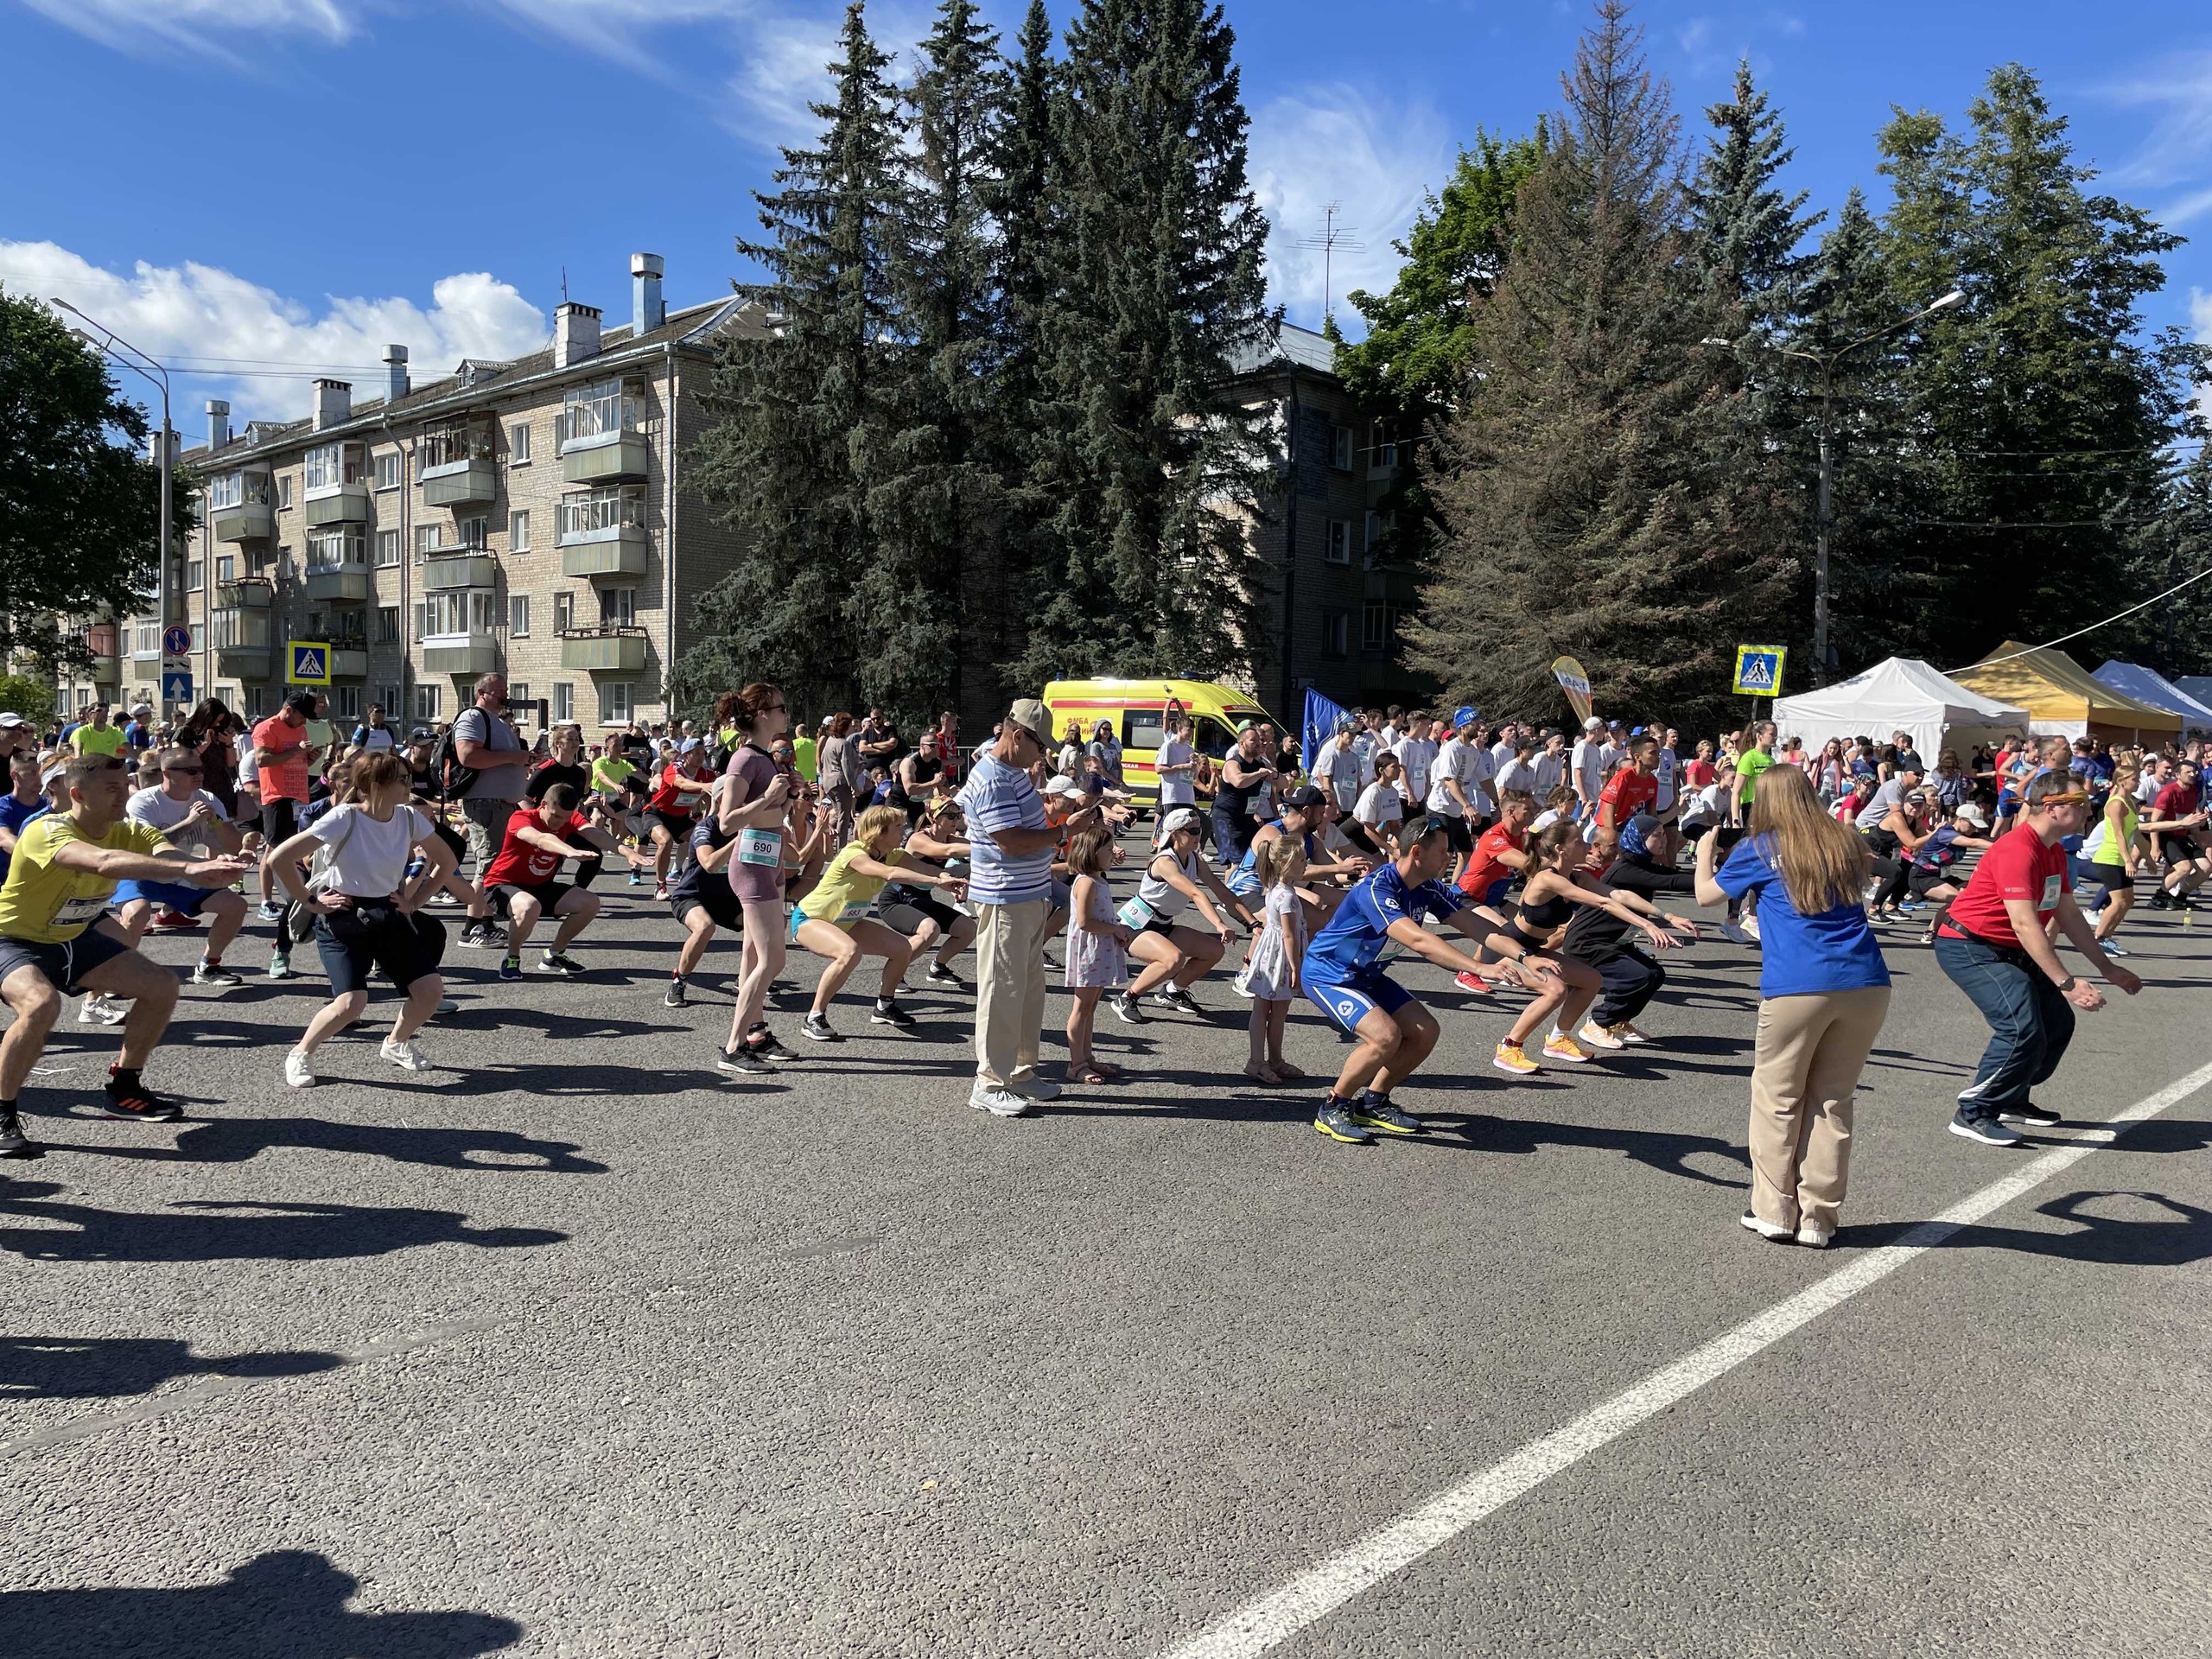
1339 768
1380 804
371 860
1517 774
1486 767
1665 775
1418 756
1457 761
1551 771
1501 756
377 738
1175 788
1707 805
249 768
1589 763
156 810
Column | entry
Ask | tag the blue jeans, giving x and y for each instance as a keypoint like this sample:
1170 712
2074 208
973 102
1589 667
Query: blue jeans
2030 1022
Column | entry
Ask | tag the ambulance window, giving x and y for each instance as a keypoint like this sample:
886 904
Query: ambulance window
1214 737
1142 728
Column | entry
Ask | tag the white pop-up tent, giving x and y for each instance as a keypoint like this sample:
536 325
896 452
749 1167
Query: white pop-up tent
1901 695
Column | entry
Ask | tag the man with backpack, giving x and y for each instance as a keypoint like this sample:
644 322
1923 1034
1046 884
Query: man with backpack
484 773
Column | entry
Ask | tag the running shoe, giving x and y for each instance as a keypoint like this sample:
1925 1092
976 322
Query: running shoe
1597 1036
510 967
890 1013
637 879
2115 950
299 1069
742 1061
1127 1011
271 910
2035 1116
1631 1036
559 962
2158 900
137 1101
1373 1111
1510 1057
676 997
99 1010
1751 925
660 893
1733 934
446 1005
480 935
942 975
999 1102
1560 1046
13 1143
1814 1238
213 973
173 920
1987 1130
1335 1120
280 965
1037 1088
763 1042
1180 999
1474 982
404 1055
1773 1231
816 1029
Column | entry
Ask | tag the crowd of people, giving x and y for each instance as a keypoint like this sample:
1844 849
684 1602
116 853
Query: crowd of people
1528 863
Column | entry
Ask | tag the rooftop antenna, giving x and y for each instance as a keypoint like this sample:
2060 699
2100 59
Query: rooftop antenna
1333 236
564 284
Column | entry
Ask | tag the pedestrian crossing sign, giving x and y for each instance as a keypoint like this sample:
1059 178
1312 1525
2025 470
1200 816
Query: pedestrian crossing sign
1758 670
310 663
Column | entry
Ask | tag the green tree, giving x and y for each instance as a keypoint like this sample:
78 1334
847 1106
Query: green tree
28 695
806 411
1745 231
79 498
1143 562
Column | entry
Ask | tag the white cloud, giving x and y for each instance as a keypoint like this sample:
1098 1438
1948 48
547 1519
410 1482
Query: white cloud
783 68
221 335
140 26
2178 153
1329 144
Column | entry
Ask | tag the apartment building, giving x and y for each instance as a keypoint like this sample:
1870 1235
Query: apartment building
529 517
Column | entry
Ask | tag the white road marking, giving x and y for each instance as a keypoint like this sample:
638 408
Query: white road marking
1276 1617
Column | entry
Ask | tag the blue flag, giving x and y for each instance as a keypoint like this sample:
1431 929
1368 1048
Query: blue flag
1322 719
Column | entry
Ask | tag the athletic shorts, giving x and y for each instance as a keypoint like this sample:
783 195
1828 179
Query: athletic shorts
799 917
280 821
1460 837
2112 878
1921 880
2175 851
66 964
723 910
373 935
920 899
549 895
678 828
1347 1003
172 895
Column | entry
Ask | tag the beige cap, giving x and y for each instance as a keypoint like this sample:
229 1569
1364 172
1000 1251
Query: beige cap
1034 718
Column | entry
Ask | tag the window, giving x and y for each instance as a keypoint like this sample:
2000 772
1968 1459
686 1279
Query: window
388 699
564 700
387 549
615 703
428 538
1340 447
1144 728
226 567
518 699
1336 632
334 549
617 606
145 638
474 530
564 610
1380 527
586 513
345 702
599 410
226 490
518 615
1338 550
195 574
257 701
459 610
1376 624
519 444
388 633
284 493
518 532
426 702
450 445
322 467
388 471
422 622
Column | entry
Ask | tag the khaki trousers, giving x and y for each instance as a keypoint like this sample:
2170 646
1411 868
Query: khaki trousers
1009 990
1810 1051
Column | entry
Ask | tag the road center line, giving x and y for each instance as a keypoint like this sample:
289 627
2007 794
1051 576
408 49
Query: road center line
1273 1618
78 1429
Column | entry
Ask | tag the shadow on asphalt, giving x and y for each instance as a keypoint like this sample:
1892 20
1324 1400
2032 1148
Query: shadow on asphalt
2181 1236
290 1602
1658 1149
75 1368
241 1140
195 1230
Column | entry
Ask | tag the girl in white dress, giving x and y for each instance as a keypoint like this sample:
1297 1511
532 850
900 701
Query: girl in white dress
1097 950
1271 975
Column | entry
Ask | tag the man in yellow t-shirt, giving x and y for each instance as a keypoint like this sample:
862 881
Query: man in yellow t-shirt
96 735
56 940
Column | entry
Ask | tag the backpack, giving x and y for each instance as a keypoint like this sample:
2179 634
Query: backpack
452 780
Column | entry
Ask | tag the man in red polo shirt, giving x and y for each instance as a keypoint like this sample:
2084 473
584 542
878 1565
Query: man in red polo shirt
2181 851
1633 789
1995 945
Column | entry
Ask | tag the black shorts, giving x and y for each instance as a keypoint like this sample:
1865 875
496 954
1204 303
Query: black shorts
373 935
679 829
280 821
722 907
454 840
66 964
549 895
2174 851
927 903
1923 878
1456 833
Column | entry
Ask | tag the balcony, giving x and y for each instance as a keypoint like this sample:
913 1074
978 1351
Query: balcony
254 593
620 554
345 580
242 662
107 668
338 503
250 521
146 666
603 533
446 571
349 662
606 457
461 654
460 483
613 650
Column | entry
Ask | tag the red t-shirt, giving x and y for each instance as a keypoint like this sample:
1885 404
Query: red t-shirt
287 780
1628 794
521 865
1701 773
2018 866
668 800
2175 801
1485 869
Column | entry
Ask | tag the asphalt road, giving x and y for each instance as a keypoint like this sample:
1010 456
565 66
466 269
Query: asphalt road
574 1347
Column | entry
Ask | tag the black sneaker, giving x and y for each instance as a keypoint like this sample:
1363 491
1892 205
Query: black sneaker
676 997
139 1102
510 967
561 963
1336 1120
743 1061
890 1013
1373 1111
2035 1116
481 935
818 1029
1180 1000
13 1143
213 973
2158 900
937 976
767 1047
1987 1130
1127 1011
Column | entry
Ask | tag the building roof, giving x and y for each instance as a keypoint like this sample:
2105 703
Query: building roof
695 327
1288 345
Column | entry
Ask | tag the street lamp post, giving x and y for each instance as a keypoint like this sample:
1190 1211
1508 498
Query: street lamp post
143 364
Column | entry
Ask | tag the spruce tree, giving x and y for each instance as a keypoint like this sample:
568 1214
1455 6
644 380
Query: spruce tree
1747 231
805 412
1596 490
1157 286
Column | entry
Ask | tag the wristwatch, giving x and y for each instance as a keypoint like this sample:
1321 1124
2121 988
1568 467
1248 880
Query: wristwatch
2067 984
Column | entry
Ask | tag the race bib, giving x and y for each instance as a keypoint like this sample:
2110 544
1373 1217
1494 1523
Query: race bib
79 910
2051 892
759 846
1135 913
852 913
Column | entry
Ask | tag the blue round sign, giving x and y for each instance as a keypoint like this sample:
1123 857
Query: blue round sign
176 640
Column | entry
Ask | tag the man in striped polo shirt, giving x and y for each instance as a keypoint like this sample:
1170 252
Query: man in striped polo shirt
1010 885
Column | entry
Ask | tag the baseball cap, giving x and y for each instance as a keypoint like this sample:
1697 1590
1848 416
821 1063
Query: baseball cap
1182 819
303 701
1064 786
1303 795
1034 718
1465 715
1593 724
10 722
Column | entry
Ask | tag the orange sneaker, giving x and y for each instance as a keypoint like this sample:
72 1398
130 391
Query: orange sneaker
1560 1046
1510 1057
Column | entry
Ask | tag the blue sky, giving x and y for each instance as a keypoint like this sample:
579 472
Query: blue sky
284 185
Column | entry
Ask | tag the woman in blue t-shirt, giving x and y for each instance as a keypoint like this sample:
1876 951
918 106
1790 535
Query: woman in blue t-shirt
1823 994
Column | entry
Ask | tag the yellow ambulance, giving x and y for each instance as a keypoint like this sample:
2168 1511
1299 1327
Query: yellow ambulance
1137 710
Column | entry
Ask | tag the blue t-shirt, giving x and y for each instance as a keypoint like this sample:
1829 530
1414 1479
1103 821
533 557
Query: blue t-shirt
1803 955
1357 933
1000 797
14 814
1939 851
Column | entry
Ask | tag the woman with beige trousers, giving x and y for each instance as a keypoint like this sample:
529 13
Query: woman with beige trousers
1824 991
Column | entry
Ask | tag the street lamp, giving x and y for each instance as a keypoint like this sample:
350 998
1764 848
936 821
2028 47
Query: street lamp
143 365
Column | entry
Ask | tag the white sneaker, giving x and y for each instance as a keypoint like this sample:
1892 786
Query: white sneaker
1734 934
1038 1088
1814 1238
299 1069
1752 924
1597 1036
406 1056
1772 1232
102 1010
999 1102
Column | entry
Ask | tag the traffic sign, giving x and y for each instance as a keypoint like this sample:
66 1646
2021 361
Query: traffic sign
1758 670
176 639
310 662
176 687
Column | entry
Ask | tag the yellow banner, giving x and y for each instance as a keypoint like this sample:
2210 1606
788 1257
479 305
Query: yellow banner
1574 680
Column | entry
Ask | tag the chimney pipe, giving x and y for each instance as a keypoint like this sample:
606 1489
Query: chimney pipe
647 313
333 403
395 374
575 333
219 423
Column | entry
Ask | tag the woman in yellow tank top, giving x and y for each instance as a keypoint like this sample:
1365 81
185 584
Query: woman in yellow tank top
832 921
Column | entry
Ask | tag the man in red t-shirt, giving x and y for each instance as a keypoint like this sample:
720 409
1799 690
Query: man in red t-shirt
2181 851
1995 945
1501 852
285 758
677 796
520 882
1631 790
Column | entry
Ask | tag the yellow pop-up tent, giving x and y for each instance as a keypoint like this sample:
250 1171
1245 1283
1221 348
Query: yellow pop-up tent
2063 697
